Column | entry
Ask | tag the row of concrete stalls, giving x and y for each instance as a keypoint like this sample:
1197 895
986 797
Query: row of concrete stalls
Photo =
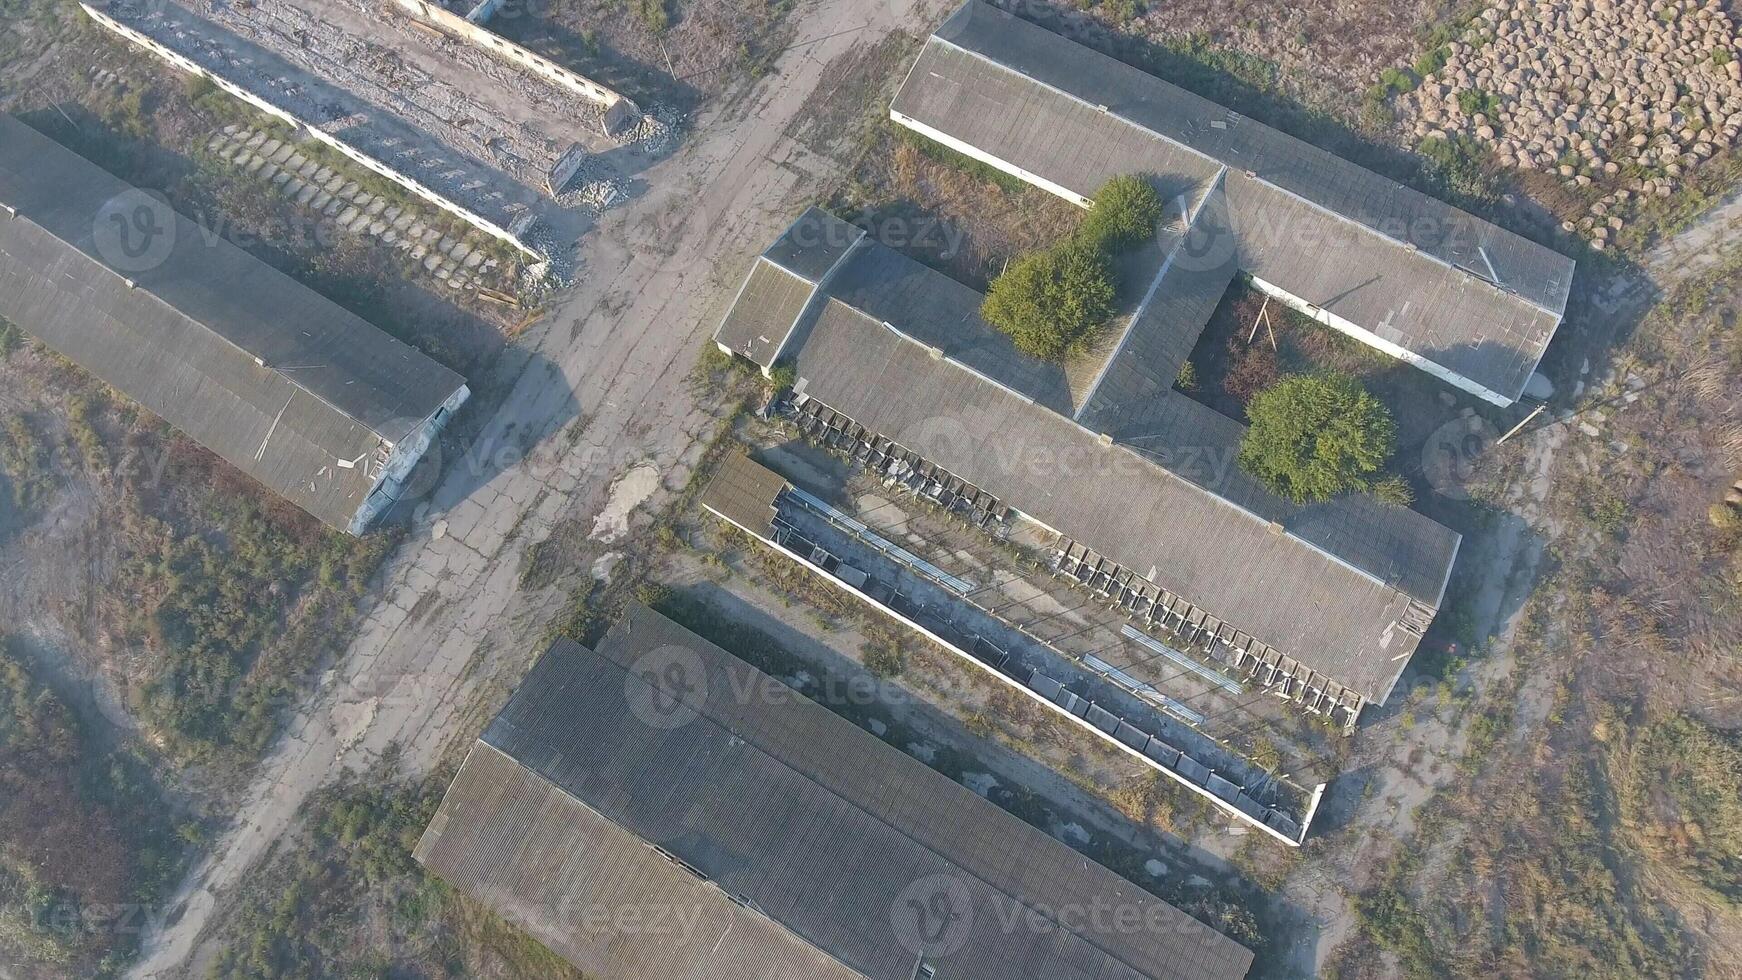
897 466
1189 630
847 551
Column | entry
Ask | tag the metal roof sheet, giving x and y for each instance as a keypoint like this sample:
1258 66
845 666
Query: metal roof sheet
743 492
1326 583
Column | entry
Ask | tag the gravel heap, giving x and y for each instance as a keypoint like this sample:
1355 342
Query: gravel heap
1630 92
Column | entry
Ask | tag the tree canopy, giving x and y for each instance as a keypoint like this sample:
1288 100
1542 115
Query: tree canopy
1314 436
1053 300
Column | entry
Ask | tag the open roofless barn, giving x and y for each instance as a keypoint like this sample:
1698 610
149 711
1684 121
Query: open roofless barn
317 404
660 809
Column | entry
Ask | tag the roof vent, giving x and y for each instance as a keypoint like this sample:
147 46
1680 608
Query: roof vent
11 212
1105 438
1277 528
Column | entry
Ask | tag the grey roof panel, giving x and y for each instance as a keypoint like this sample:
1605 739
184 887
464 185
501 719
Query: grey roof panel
806 818
766 311
813 244
744 492
186 338
1160 338
943 314
1072 117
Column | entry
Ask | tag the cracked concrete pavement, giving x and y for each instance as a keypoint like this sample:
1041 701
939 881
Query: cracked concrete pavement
601 380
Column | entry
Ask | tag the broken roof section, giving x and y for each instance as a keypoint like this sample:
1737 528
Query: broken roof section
1143 475
282 383
1468 301
782 282
662 771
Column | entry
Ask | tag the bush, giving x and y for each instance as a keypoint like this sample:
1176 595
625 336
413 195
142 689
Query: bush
1314 436
1187 379
1126 211
1474 100
652 14
1396 81
1050 302
1253 370
1394 490
1725 517
10 338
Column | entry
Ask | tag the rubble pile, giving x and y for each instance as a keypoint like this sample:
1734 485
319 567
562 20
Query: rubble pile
1630 93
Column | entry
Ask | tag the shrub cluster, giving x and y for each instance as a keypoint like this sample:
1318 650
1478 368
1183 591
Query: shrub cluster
1051 302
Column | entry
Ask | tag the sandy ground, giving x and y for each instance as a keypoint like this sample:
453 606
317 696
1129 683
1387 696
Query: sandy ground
599 391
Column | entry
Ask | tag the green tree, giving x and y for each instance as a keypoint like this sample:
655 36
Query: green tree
1050 302
1314 436
1125 214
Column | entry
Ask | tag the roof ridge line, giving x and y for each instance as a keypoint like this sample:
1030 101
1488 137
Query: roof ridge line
132 286
806 703
1118 445
1149 296
742 902
1115 114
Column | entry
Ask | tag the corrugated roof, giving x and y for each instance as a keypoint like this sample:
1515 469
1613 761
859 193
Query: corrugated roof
280 382
743 491
1160 336
853 848
766 310
781 283
1396 262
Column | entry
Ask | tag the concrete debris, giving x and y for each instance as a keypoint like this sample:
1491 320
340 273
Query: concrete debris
1631 92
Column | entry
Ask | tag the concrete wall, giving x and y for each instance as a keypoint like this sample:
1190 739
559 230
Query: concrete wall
402 460
619 110
363 159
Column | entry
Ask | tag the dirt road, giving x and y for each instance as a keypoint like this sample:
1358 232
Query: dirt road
599 390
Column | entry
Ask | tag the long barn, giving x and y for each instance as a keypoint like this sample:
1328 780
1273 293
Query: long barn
318 405
1465 300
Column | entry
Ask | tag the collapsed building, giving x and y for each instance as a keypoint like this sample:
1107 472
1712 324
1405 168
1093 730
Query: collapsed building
756 835
315 403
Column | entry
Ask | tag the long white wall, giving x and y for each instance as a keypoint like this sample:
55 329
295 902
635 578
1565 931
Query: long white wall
1035 696
619 110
